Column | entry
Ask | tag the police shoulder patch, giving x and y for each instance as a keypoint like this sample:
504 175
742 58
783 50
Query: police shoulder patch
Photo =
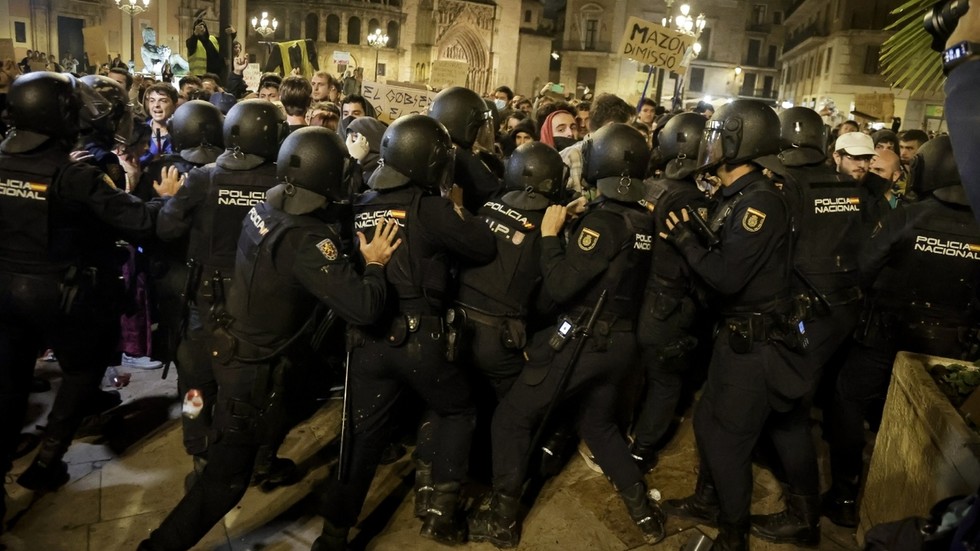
588 239
327 249
753 219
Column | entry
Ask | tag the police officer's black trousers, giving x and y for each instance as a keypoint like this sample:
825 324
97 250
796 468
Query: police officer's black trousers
500 365
859 396
84 341
231 458
594 380
741 398
194 371
378 375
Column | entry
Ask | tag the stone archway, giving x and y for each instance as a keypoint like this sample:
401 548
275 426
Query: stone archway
462 42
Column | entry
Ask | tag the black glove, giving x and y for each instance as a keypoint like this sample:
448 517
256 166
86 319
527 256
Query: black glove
682 236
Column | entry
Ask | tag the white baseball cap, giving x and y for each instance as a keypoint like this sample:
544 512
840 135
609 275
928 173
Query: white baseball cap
856 144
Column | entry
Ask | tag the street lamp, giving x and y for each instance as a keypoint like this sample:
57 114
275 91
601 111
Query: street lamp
377 40
263 26
132 7
691 26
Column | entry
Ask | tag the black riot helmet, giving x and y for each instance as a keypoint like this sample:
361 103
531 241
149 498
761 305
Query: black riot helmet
534 177
415 148
803 135
614 159
465 115
679 139
310 168
42 105
116 124
196 123
738 133
933 170
255 127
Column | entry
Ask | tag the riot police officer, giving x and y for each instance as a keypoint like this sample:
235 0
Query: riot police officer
828 209
470 124
406 348
210 207
608 255
288 252
112 128
755 378
59 267
667 334
923 272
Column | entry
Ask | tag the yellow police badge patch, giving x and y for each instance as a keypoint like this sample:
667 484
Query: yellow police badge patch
753 220
327 249
587 239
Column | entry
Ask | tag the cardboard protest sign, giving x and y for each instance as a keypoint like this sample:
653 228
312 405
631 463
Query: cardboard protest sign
392 101
653 44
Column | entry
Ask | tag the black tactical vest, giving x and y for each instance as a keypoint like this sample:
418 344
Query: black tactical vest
24 216
505 285
627 272
827 210
669 269
231 193
266 302
936 268
418 271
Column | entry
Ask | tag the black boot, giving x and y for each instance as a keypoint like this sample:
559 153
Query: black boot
423 488
646 514
44 475
840 503
644 455
442 521
332 538
496 521
731 538
798 524
702 507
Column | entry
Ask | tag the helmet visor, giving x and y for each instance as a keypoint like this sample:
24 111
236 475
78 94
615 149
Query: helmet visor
444 179
916 178
94 107
485 134
124 128
710 152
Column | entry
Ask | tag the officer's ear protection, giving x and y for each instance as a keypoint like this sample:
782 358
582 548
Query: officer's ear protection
731 138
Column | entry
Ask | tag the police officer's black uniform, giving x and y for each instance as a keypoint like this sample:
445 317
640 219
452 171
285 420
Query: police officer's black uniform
286 253
925 270
210 208
754 379
470 124
407 346
59 266
608 251
666 330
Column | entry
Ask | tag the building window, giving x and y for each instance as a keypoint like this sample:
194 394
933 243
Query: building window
392 34
591 33
777 17
748 84
373 24
830 51
819 65
753 55
20 32
333 28
871 65
586 77
527 16
354 30
767 87
771 58
313 26
758 13
695 79
381 69
705 40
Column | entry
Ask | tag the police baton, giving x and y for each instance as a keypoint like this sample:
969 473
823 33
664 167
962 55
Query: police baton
344 424
583 333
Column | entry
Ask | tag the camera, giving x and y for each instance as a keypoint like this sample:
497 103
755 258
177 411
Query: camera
941 20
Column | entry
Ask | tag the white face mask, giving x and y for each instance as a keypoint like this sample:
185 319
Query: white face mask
500 103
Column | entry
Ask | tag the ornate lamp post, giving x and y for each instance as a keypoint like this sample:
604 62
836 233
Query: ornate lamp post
263 26
377 40
132 7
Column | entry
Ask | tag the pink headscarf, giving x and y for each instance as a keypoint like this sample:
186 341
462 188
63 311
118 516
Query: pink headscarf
547 134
